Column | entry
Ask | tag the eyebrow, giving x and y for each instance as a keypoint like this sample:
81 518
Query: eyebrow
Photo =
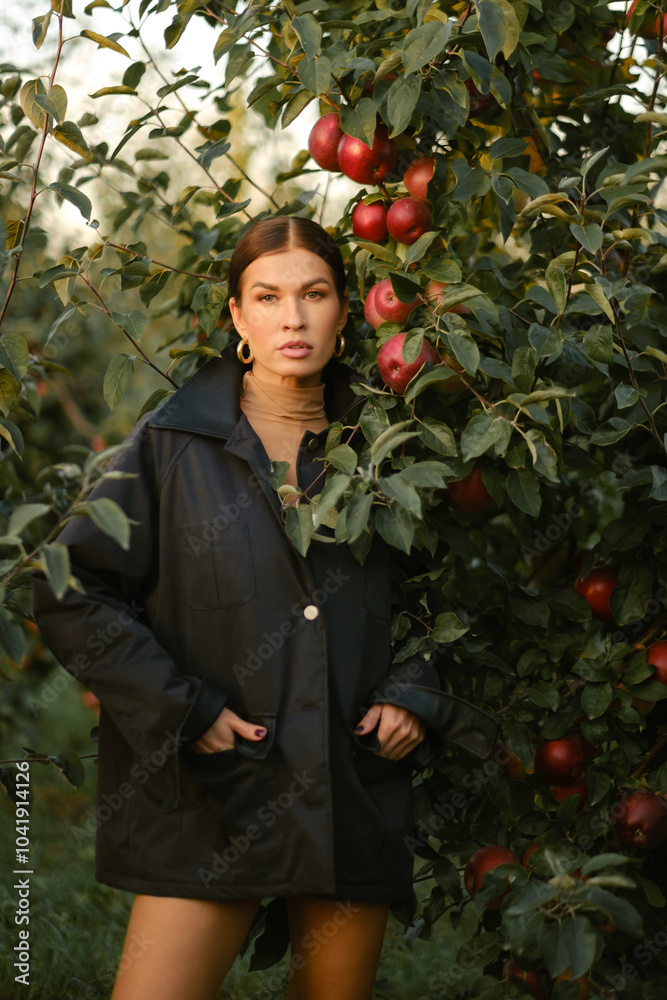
274 288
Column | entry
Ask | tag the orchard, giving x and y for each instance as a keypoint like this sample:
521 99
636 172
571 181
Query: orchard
505 239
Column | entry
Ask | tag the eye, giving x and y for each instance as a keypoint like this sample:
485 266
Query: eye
316 292
265 298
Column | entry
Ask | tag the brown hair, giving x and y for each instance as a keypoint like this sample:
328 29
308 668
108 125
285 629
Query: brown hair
285 232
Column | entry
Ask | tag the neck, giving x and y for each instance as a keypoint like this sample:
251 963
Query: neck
295 381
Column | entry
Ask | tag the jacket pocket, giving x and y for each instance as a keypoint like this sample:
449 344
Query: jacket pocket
227 795
220 572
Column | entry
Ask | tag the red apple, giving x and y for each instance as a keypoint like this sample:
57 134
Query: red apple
435 293
470 494
97 442
91 701
525 861
418 174
479 102
369 222
559 762
371 314
640 819
584 745
483 861
390 306
561 792
650 26
364 164
369 86
596 587
657 655
323 141
394 370
529 976
408 219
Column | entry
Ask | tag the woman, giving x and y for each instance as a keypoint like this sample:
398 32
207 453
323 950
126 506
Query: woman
253 740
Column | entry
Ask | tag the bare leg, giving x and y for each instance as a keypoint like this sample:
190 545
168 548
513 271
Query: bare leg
180 949
336 946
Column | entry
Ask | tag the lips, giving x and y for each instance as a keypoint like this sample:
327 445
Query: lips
295 349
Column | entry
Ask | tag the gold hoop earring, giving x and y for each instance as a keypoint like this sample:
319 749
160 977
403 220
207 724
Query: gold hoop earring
239 352
340 345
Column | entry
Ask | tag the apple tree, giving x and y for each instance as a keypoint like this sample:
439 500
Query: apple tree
506 249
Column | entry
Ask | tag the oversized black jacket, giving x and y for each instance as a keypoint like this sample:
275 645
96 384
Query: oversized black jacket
211 605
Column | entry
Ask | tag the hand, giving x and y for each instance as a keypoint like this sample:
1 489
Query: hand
221 734
399 732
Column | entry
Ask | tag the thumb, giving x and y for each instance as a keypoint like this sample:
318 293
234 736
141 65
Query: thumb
369 720
251 730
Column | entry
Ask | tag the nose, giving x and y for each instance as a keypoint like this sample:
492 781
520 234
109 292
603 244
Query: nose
293 314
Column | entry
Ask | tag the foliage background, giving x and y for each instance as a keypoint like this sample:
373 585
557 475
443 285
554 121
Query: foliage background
548 225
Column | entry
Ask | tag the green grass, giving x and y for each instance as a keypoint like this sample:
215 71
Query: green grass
77 925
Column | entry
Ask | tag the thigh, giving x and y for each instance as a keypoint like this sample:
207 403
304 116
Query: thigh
180 949
336 946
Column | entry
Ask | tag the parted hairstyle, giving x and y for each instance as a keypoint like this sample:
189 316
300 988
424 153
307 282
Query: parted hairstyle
285 232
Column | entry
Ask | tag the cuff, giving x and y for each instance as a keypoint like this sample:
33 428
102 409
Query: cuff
203 712
414 686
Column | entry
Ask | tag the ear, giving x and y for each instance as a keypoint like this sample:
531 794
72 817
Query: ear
237 317
344 309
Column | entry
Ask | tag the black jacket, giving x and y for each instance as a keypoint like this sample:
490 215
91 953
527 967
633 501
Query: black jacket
211 605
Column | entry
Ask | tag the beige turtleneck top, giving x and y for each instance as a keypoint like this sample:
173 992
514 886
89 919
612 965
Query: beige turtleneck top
280 415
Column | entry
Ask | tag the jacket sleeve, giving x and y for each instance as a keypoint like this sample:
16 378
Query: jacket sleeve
415 685
103 636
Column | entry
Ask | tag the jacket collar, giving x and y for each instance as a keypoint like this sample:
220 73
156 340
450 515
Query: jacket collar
208 402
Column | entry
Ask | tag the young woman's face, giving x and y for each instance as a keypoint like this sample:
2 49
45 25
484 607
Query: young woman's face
289 313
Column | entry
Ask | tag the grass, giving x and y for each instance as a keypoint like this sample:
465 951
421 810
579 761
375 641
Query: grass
77 925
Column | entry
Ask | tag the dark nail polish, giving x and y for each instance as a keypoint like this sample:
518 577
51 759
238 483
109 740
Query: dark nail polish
260 732
358 729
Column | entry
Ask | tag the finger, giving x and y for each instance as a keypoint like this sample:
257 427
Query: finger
249 730
369 720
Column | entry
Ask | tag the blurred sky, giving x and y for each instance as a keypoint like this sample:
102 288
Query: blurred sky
85 68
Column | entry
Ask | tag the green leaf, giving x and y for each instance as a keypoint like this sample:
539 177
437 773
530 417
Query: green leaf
104 42
448 628
621 911
54 102
295 106
299 527
599 343
465 350
596 699
395 525
401 102
389 439
109 518
117 379
480 434
423 44
71 766
524 491
595 291
76 197
360 122
309 34
343 458
56 564
436 435
24 514
315 74
659 488
40 26
14 355
601 861
499 26
629 601
544 695
396 488
334 489
207 303
110 91
557 284
589 236
357 513
12 636
134 322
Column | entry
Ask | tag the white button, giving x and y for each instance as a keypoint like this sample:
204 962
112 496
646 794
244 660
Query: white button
310 612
